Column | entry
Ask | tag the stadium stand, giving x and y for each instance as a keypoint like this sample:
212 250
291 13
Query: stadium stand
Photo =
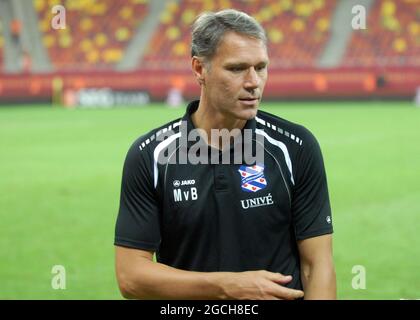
297 30
96 33
1 46
391 39
132 45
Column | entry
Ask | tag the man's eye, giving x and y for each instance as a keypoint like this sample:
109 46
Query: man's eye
261 68
235 69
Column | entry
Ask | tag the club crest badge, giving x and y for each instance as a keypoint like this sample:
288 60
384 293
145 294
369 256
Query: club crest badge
253 179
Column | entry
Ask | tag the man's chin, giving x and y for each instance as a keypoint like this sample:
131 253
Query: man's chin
248 114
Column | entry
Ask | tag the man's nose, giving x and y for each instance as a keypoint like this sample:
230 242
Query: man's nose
252 80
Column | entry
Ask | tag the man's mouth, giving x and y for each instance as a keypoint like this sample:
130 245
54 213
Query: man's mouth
249 100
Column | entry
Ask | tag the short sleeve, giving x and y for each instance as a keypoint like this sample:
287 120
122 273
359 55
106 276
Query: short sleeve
311 208
137 223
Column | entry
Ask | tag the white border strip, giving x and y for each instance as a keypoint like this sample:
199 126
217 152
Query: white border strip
283 148
157 151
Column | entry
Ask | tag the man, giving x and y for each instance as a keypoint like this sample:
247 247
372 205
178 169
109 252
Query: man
258 230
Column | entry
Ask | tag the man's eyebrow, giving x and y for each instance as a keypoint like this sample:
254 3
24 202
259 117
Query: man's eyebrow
243 64
237 64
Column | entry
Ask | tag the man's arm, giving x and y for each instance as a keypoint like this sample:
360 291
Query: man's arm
139 277
317 268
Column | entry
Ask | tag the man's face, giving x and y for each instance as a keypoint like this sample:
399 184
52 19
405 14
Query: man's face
235 79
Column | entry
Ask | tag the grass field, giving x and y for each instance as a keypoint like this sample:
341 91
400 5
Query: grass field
60 179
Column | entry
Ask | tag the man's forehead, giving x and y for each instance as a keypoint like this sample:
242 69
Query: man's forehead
238 48
234 40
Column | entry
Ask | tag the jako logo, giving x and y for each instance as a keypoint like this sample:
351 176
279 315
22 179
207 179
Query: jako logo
188 182
178 183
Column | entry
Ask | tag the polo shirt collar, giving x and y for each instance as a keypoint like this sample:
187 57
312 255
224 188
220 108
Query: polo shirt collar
193 106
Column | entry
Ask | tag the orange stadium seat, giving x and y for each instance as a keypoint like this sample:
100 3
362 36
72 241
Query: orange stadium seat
297 30
96 33
1 46
392 36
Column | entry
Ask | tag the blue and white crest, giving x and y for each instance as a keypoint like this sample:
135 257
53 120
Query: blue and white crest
253 179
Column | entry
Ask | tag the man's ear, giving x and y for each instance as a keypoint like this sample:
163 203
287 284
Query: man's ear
198 69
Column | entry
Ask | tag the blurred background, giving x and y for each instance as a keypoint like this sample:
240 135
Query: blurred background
80 80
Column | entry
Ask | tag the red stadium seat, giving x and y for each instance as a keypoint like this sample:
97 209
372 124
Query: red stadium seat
96 34
1 46
297 30
98 31
392 37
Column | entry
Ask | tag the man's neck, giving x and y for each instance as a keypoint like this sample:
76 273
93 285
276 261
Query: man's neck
206 118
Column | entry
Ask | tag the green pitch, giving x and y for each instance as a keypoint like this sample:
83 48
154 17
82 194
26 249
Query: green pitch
60 178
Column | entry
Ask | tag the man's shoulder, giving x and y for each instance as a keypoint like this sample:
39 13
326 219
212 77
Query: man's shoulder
150 140
283 130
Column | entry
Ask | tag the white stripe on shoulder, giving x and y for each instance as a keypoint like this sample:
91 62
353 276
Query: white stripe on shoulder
283 148
177 124
277 129
152 137
157 151
260 121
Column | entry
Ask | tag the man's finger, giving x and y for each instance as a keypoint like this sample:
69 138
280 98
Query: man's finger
291 294
280 278
287 293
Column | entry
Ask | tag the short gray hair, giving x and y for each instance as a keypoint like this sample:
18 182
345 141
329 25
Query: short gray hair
210 27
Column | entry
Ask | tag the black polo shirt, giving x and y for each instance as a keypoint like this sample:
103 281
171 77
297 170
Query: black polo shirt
225 217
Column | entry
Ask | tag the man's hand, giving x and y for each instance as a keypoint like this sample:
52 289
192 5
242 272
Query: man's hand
258 285
139 277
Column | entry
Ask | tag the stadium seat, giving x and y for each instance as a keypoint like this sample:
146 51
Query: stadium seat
297 30
392 37
1 46
96 33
